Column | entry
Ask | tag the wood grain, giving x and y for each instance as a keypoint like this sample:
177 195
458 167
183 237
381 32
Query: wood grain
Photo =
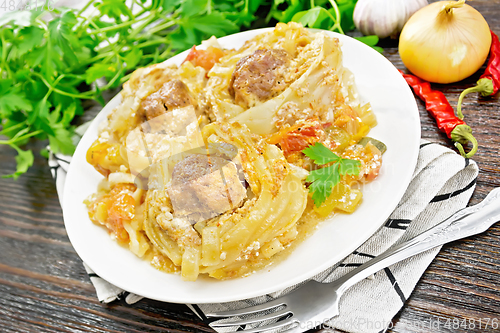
44 287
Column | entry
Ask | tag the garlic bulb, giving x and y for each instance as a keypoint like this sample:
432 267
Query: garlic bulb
384 18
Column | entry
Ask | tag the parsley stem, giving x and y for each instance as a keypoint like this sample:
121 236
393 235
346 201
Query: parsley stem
20 133
62 92
85 7
12 142
106 55
118 26
166 52
138 3
337 21
112 45
51 89
139 14
59 78
126 78
333 19
160 27
92 60
81 96
113 80
42 23
148 56
79 25
42 13
151 43
272 12
4 53
12 128
137 30
26 136
95 26
209 7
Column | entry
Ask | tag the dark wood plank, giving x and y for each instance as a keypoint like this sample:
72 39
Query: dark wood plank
44 287
463 281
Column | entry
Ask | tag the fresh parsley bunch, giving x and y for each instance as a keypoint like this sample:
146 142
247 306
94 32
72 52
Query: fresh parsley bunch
50 58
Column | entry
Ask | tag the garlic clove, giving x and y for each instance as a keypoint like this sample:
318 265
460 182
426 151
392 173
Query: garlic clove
384 18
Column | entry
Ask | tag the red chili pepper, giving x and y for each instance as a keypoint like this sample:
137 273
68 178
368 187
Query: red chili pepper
439 107
489 83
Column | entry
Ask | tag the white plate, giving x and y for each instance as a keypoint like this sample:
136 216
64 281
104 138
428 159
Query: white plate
398 127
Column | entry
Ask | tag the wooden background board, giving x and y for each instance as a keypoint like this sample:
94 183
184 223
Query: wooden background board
44 287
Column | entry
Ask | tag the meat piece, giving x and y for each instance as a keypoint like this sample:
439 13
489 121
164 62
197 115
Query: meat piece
179 230
259 77
205 186
173 94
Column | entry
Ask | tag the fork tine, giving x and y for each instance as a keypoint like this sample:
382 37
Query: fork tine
272 326
248 310
273 315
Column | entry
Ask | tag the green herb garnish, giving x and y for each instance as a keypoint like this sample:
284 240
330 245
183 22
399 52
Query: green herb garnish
325 179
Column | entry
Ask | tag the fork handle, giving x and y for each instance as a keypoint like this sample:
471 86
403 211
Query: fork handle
466 222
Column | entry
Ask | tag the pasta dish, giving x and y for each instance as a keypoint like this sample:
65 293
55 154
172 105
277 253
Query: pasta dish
222 165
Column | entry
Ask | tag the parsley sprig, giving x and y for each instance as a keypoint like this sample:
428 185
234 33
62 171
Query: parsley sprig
323 180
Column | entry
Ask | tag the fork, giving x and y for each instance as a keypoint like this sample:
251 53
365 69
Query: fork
314 303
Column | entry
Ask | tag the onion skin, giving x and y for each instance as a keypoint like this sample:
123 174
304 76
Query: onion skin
445 47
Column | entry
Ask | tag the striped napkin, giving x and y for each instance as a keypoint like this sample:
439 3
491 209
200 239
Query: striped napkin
442 184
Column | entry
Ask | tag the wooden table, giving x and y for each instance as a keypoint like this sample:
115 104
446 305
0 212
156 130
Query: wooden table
44 287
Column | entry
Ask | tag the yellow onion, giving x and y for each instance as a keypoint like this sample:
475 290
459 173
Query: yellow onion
445 42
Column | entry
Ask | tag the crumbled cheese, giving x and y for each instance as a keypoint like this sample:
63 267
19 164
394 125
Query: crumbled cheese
299 172
212 41
167 211
104 135
254 246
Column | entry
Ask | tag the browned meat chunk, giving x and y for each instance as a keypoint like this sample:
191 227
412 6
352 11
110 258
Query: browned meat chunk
205 186
179 230
259 77
173 94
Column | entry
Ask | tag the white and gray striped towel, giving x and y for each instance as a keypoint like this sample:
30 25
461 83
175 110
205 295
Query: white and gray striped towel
442 184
